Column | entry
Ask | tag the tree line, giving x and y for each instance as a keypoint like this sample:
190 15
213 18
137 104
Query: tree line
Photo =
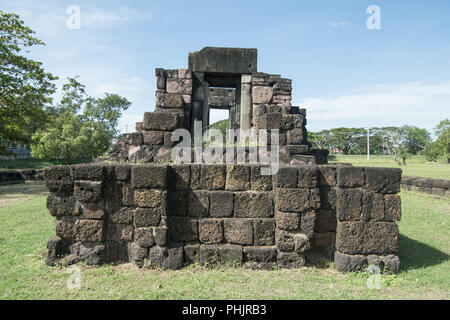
397 142
77 126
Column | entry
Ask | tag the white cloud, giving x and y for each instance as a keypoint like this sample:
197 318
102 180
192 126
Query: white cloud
106 18
419 104
127 87
341 24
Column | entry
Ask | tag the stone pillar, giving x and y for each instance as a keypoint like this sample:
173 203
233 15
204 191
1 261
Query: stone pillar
246 101
198 97
205 122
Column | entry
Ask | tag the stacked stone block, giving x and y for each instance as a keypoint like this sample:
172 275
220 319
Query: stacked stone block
367 210
172 215
272 109
152 140
297 201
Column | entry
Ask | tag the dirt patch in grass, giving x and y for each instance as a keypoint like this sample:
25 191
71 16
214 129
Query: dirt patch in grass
16 193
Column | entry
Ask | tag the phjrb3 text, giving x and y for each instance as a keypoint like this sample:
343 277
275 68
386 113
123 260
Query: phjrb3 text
241 310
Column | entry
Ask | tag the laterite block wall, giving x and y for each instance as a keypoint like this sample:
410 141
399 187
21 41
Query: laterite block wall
172 215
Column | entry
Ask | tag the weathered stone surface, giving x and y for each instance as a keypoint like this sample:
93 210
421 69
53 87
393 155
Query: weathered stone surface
88 191
287 177
293 200
224 60
94 210
91 253
349 204
307 223
146 217
180 86
169 100
90 230
136 139
160 121
383 180
209 254
144 237
253 205
88 172
326 221
183 229
264 232
137 254
360 237
308 176
350 177
56 249
167 257
57 179
262 94
198 204
238 177
177 203
387 264
210 231
260 254
119 232
287 220
301 243
230 253
290 260
373 206
151 198
153 137
328 198
296 136
61 205
191 253
270 121
160 234
222 204
348 263
65 229
180 176
122 171
284 240
327 175
238 231
213 177
392 207
149 176
260 182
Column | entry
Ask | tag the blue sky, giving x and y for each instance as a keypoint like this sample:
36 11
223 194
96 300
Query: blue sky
342 72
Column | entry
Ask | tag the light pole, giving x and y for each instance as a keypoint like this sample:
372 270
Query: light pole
368 145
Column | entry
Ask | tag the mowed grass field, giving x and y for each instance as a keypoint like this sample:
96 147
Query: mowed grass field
26 225
415 166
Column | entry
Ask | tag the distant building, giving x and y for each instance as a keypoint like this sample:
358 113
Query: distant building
21 152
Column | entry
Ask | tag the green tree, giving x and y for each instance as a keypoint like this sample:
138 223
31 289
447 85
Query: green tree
80 126
442 131
345 139
415 139
25 88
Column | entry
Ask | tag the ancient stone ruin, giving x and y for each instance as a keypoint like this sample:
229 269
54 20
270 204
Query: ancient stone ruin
169 215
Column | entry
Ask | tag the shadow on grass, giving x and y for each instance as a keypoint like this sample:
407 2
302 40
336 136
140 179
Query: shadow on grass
34 188
415 255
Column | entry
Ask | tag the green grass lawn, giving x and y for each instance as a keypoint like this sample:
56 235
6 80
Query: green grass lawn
415 166
25 226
